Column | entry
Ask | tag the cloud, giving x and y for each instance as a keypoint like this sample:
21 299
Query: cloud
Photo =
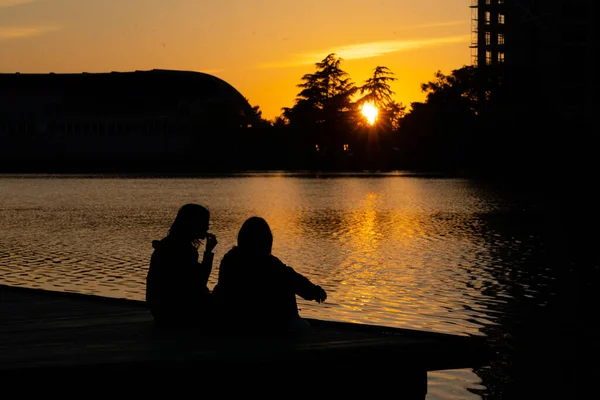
18 32
8 3
367 50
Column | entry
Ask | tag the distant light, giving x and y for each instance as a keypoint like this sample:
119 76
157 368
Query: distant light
370 112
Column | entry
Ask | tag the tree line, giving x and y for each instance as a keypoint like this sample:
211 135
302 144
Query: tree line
467 122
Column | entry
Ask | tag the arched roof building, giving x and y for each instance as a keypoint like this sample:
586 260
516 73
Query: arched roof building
142 120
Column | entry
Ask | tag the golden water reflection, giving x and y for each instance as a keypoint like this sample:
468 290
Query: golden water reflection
392 250
409 252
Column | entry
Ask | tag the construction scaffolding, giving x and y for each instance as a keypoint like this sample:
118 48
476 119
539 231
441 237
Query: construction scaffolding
474 30
488 31
545 50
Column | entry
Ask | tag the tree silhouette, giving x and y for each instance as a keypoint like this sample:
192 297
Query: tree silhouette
461 87
377 88
256 119
323 112
394 113
441 133
280 121
326 95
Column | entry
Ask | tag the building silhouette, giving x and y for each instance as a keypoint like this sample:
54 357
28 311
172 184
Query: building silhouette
140 121
543 50
540 56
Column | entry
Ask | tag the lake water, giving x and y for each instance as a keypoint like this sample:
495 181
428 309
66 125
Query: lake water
439 254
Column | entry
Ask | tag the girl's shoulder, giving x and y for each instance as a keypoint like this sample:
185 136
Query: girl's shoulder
232 256
231 253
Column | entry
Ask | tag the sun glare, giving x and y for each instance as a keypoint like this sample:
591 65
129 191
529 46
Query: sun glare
370 112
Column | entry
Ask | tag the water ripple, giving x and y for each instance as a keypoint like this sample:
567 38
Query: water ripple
433 254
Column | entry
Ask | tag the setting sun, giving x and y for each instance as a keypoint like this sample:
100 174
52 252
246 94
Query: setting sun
370 112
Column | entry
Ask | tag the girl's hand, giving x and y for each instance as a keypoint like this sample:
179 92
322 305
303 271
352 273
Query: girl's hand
320 294
211 242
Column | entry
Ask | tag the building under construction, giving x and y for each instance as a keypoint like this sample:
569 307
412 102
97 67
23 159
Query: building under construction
543 51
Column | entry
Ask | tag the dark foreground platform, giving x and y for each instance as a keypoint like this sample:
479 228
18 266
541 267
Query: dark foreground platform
89 336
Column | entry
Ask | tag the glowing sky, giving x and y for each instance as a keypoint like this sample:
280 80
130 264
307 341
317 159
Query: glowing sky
261 47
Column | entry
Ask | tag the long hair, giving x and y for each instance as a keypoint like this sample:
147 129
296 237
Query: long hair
190 222
255 236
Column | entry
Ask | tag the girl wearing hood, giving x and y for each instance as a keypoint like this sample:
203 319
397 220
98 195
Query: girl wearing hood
176 285
250 273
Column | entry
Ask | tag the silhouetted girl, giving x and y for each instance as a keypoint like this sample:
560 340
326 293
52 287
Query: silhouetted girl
255 289
176 285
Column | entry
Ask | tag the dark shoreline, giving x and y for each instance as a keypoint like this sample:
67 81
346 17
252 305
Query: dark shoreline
248 173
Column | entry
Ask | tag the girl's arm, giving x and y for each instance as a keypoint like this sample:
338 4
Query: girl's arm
308 290
207 258
205 267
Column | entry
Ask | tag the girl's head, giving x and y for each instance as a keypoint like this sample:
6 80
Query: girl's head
191 222
255 236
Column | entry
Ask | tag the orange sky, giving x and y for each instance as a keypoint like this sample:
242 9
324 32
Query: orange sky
261 47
